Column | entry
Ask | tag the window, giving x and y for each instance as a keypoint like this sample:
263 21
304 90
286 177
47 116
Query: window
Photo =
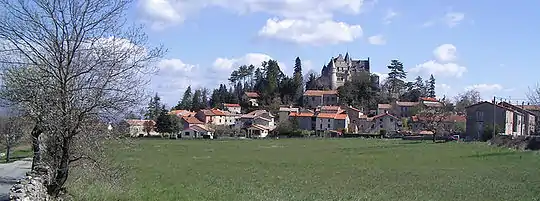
380 119
479 115
328 125
186 133
328 120
354 121
391 120
372 125
312 98
320 126
380 126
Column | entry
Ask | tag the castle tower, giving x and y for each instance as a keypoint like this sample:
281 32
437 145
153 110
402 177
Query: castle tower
333 74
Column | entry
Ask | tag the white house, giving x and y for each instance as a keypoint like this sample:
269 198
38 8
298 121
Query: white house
257 120
197 131
233 108
331 122
139 128
284 113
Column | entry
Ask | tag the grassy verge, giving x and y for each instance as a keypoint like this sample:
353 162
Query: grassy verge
316 169
18 153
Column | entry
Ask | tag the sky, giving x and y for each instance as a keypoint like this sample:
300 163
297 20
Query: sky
482 45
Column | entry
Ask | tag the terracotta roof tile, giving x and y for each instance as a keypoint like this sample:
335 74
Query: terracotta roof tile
301 114
429 99
192 120
252 94
319 92
384 106
341 116
231 105
327 115
532 107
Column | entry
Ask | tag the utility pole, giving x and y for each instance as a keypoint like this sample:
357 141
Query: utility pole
494 115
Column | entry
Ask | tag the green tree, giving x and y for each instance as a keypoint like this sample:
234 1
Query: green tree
359 91
185 103
154 108
298 80
430 87
163 122
396 77
466 99
204 98
196 102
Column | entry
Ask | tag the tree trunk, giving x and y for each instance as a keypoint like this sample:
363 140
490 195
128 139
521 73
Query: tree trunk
434 136
36 132
8 152
62 171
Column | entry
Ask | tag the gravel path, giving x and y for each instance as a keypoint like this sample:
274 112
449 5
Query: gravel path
10 173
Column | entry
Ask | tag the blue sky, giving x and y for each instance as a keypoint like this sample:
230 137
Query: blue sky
487 45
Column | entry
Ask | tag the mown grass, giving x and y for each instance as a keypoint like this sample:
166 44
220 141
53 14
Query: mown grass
329 169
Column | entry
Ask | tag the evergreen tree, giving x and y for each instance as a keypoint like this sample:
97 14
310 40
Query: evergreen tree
431 87
185 103
396 77
163 122
204 98
154 108
298 80
419 85
196 102
272 78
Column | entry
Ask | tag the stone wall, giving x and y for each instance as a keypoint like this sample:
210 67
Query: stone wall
31 188
530 142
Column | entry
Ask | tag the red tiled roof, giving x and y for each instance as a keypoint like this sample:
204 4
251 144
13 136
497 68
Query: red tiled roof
301 114
327 115
406 104
487 102
429 99
231 105
192 120
199 127
355 109
332 108
252 94
341 116
218 112
384 106
319 92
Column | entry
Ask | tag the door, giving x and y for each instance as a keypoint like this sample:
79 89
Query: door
480 129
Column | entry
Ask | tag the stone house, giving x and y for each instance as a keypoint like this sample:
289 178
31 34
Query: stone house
232 107
314 98
535 109
404 109
384 108
304 120
284 113
331 122
375 124
182 113
251 98
190 121
262 118
138 128
211 116
197 131
529 118
488 114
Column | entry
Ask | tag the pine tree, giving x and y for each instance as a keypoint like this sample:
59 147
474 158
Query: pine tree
196 102
204 98
163 122
185 103
154 108
431 87
419 85
298 81
396 77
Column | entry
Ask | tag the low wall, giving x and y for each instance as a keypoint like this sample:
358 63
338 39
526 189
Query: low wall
31 188
516 142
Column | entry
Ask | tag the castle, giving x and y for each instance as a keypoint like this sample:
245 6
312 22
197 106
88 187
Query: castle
340 69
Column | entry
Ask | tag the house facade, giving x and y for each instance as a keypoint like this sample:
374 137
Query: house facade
251 98
487 114
211 116
190 121
528 127
315 98
375 124
197 131
233 108
284 113
256 120
304 120
331 122
139 128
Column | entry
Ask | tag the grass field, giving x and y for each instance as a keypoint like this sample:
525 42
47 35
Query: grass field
329 169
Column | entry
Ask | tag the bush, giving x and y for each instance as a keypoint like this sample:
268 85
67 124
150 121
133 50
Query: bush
382 132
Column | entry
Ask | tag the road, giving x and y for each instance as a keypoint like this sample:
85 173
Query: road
10 173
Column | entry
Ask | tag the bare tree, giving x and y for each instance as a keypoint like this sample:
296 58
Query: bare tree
66 63
467 98
11 133
434 119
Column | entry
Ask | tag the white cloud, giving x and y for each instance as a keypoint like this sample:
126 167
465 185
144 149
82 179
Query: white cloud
445 52
453 19
443 65
440 69
390 15
174 65
229 64
443 89
377 40
310 32
168 11
483 88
